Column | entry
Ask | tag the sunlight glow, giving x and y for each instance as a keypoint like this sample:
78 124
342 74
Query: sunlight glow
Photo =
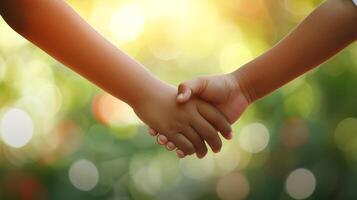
234 56
127 23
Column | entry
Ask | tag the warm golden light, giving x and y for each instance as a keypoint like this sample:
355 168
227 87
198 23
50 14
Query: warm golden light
127 23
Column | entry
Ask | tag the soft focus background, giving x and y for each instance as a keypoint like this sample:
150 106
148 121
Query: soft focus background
64 138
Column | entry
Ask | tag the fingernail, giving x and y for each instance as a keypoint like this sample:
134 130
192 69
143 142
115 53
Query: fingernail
170 146
162 139
180 96
180 154
152 132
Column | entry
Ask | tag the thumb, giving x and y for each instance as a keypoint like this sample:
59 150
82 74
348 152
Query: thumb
189 88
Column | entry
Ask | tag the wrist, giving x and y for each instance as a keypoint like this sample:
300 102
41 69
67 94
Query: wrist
149 92
242 87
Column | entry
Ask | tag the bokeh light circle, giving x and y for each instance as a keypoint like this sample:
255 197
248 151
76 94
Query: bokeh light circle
84 175
16 128
228 158
294 133
300 183
254 137
346 137
233 186
198 169
112 111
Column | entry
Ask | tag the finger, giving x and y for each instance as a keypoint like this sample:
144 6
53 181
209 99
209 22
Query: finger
180 153
207 132
184 93
152 132
182 143
161 139
197 141
170 146
192 87
216 119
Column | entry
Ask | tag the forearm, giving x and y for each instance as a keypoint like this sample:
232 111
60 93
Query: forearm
326 31
57 29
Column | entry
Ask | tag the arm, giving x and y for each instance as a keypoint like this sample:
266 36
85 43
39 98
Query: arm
328 29
58 30
54 27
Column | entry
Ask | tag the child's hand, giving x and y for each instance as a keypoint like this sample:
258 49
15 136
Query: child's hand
185 125
223 91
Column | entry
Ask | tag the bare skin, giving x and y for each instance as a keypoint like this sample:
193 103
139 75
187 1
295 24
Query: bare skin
327 30
57 29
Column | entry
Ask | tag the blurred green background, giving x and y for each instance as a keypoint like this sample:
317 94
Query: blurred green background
64 138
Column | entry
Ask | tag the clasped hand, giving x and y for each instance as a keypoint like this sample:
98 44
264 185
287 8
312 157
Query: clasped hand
211 104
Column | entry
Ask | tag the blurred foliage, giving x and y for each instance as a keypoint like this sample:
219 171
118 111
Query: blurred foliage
300 142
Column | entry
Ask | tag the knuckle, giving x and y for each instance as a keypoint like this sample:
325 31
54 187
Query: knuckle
202 79
174 126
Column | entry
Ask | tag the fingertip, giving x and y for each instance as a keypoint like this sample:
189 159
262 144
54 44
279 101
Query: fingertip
229 135
180 153
152 132
187 94
184 97
170 146
200 153
225 129
200 156
181 88
184 93
216 146
217 149
180 98
161 139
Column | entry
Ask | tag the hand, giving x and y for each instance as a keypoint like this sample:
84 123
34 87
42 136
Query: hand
222 91
185 125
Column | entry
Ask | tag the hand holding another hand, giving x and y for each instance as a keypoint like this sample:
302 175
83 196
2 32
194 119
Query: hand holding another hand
222 91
